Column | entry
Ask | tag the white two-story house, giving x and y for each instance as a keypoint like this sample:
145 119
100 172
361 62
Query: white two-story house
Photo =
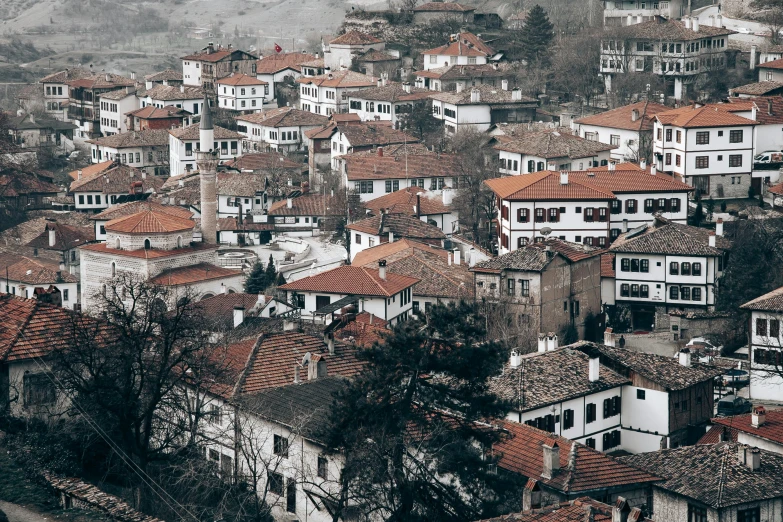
550 150
462 49
184 143
667 266
328 93
386 103
56 91
114 106
365 136
146 149
320 297
629 12
706 147
280 68
280 129
341 52
240 92
180 96
481 106
766 345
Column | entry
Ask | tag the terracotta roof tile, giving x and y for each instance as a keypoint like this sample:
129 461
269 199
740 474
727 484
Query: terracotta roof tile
488 95
133 207
150 112
771 430
592 471
719 433
554 144
308 205
239 79
352 280
660 28
264 161
774 64
143 138
623 117
91 170
667 237
340 79
689 117
167 75
712 473
534 258
67 75
771 302
390 250
102 81
143 253
461 72
34 271
622 181
769 109
191 133
364 330
405 201
174 92
545 185
218 54
355 38
243 184
282 61
607 266
149 221
284 117
401 225
374 133
392 92
66 237
583 509
374 55
395 164
119 179
758 88
187 275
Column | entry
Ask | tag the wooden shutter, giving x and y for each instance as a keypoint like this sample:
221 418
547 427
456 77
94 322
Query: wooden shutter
667 205
596 215
607 408
616 405
586 213
519 215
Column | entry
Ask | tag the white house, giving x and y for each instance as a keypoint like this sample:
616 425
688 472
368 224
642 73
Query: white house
766 345
364 136
433 207
203 68
306 215
34 278
240 193
385 295
618 13
667 266
281 68
760 429
550 150
771 71
114 106
387 228
147 150
342 51
56 93
328 93
184 143
767 112
181 96
387 102
629 128
280 129
481 106
240 92
463 49
706 147
101 190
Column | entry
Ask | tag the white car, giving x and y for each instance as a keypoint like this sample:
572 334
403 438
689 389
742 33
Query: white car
743 30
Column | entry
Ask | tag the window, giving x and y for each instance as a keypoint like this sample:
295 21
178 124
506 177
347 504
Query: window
674 268
215 414
602 214
554 215
590 413
679 136
668 135
677 161
290 496
702 162
614 139
65 295
589 214
675 205
774 325
625 265
634 290
644 291
697 514
510 287
668 158
611 407
524 285
323 467
645 265
735 160
590 443
685 269
634 265
522 215
761 327
38 390
616 206
640 395
568 419
276 483
624 289
280 446
735 136
539 215
433 58
685 293
703 138
630 206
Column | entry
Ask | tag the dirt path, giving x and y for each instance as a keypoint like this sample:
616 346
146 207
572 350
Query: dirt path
17 513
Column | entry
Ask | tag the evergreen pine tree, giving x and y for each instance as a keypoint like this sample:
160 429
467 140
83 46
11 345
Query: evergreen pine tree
537 37
271 271
256 282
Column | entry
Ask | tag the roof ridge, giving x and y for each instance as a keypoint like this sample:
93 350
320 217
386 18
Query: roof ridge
722 476
373 280
251 359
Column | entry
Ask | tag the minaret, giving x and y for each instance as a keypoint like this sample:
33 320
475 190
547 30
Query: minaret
207 160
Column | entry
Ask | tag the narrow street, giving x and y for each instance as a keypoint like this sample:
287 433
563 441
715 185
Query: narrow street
17 513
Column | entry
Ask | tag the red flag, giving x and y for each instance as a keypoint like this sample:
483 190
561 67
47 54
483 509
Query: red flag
278 48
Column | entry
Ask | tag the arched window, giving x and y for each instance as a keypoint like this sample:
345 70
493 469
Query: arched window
114 269
179 241
147 244
117 243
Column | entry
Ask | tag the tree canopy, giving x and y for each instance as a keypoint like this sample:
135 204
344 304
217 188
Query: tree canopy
537 37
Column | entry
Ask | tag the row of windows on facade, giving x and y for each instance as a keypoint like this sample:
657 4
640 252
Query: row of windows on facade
242 91
366 187
641 64
270 134
237 202
330 95
699 514
703 162
685 268
766 356
54 91
676 293
592 214
12 290
242 103
163 155
611 407
88 199
768 327
702 137
107 106
381 108
614 139
106 122
523 241
223 147
434 59
309 108
667 47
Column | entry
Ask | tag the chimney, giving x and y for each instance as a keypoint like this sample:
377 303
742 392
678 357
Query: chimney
460 86
753 458
406 86
629 21
449 256
132 75
457 256
382 269
551 341
289 203
634 114
261 300
516 94
62 266
609 337
239 315
695 24
742 453
711 21
719 227
653 170
643 164
52 237
210 48
296 374
475 96
79 174
639 19
625 226
594 368
712 239
685 20
448 196
418 205
769 106
329 341
685 357
108 77
564 177
620 510
516 359
719 20
223 289
471 257
380 152
551 460
541 342
504 85
612 165
758 417
391 236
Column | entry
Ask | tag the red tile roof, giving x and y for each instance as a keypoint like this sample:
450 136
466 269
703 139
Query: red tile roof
629 181
150 221
718 434
191 132
355 38
583 509
66 237
144 253
689 117
364 330
588 471
388 250
187 275
308 205
352 280
405 201
545 185
769 109
771 302
102 81
272 362
284 117
340 79
400 225
91 170
623 117
134 207
34 271
465 44
150 112
607 265
395 164
553 144
774 64
239 79
279 62
264 161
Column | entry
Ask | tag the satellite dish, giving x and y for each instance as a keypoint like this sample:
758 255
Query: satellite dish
545 231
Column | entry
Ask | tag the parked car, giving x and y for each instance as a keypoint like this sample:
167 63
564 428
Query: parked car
768 156
733 405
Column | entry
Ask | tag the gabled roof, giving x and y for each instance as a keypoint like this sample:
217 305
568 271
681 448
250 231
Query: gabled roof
143 138
771 430
465 44
34 271
668 237
67 75
690 117
143 253
117 180
770 302
488 95
629 181
545 185
406 201
259 161
150 112
401 225
719 433
91 169
553 144
174 92
281 61
535 258
102 81
149 221
394 250
712 473
758 88
167 75
660 28
340 79
394 163
769 109
14 183
392 92
452 7
66 237
191 133
218 54
308 205
355 38
667 372
774 64
219 309
284 117
545 378
582 469
243 184
375 134
461 72
188 275
352 280
239 79
133 207
623 117
31 122
119 94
